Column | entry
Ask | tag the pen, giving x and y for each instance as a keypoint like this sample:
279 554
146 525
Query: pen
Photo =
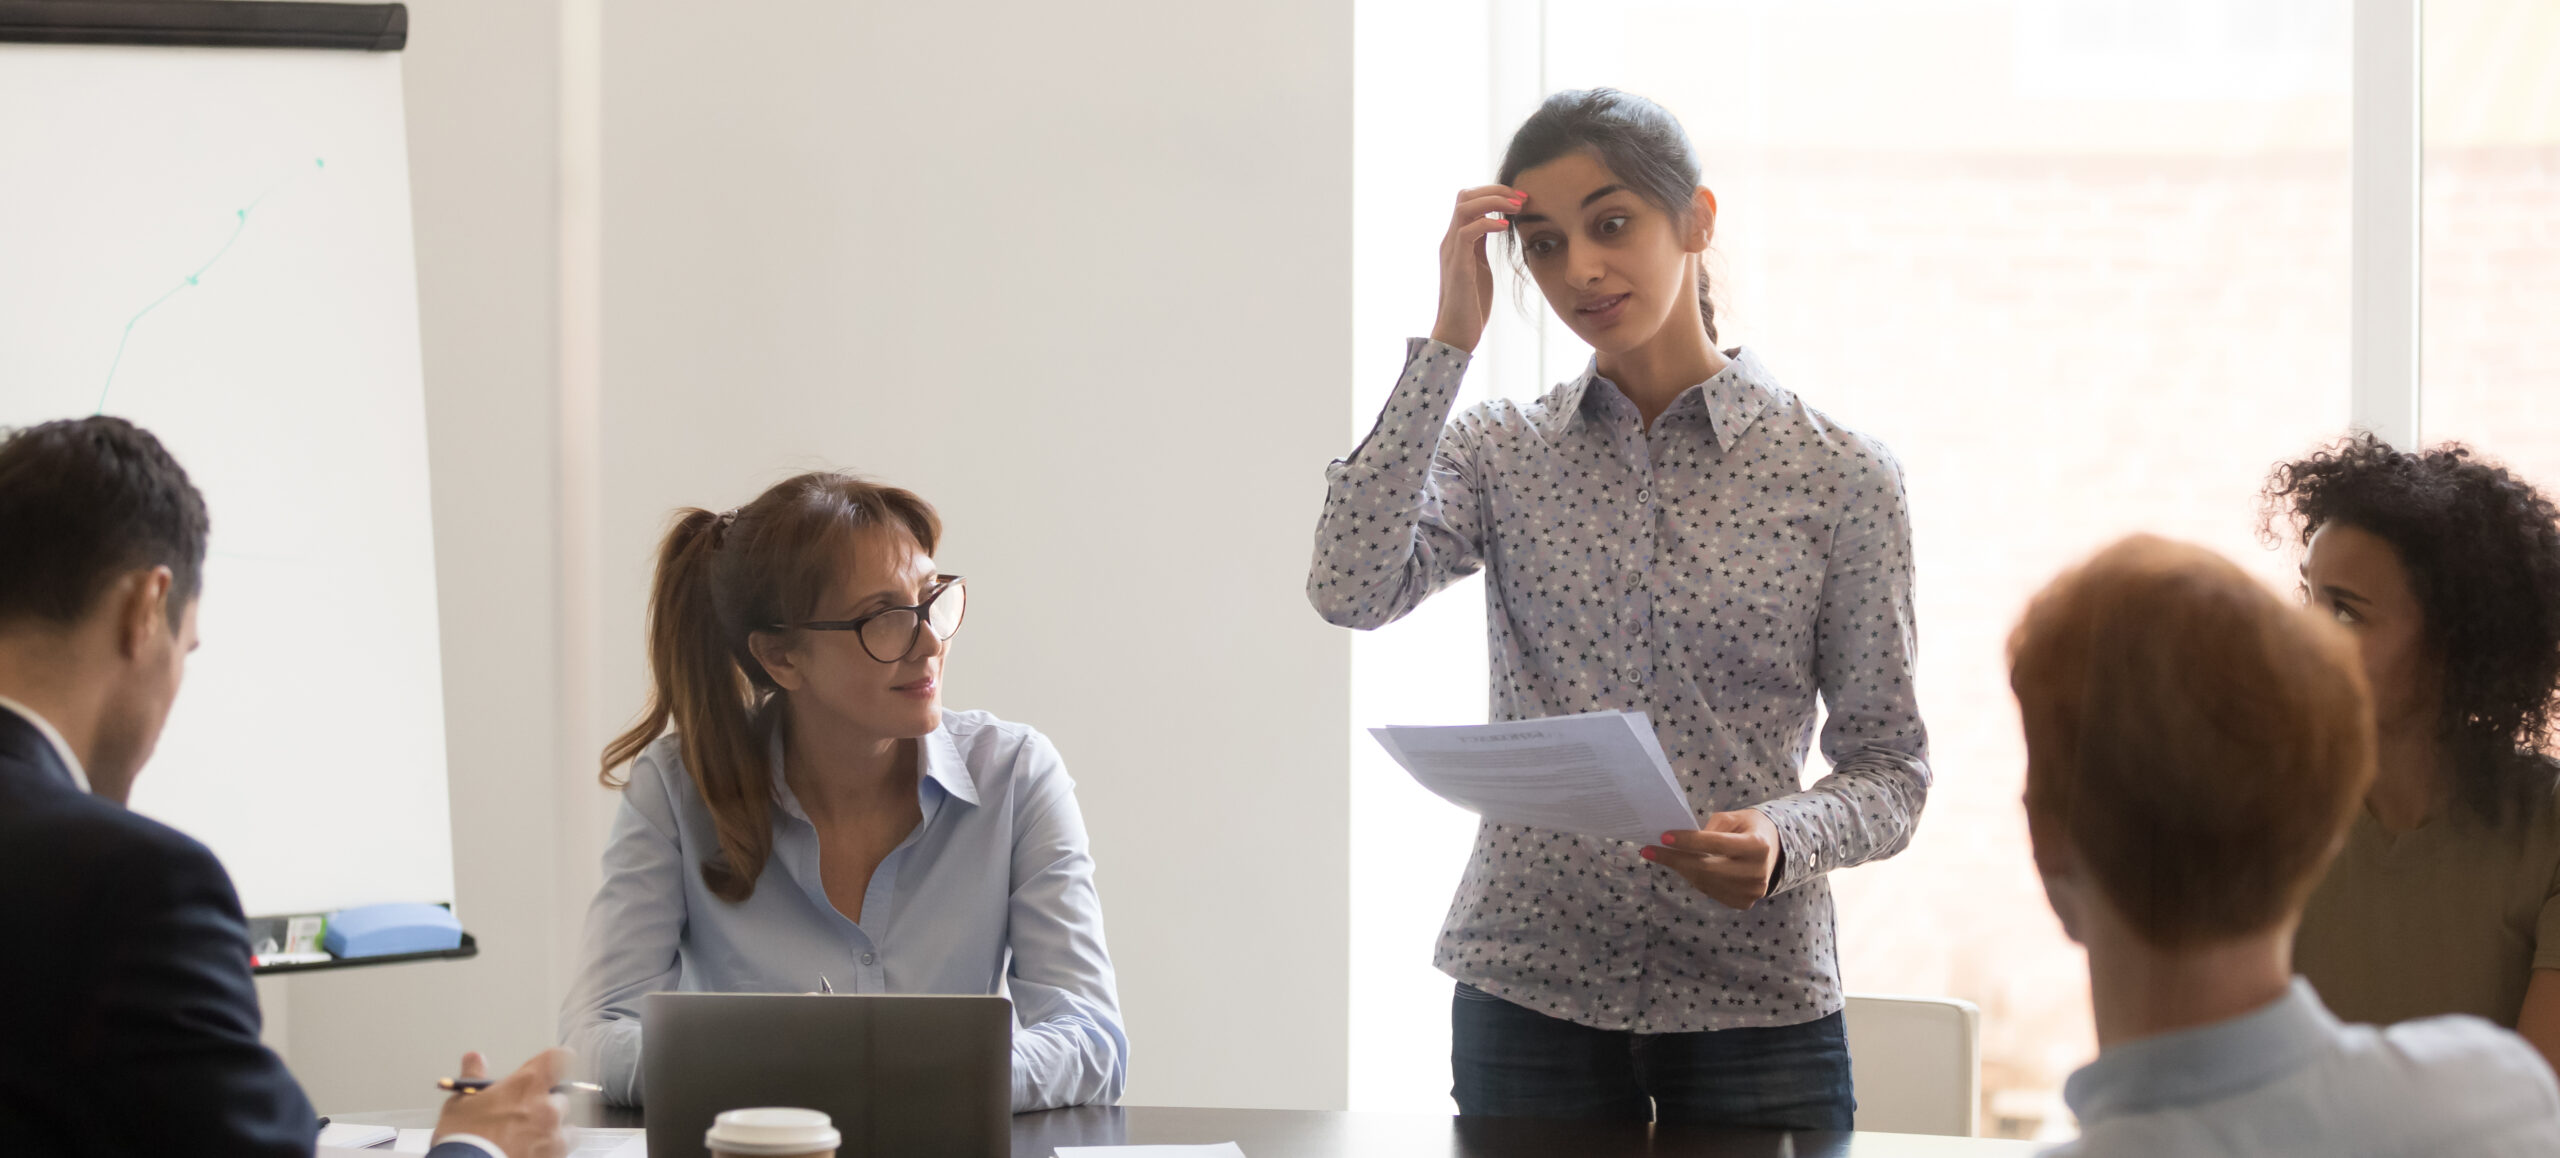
475 1085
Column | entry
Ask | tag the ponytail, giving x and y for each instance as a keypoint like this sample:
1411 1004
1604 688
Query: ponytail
722 578
1706 305
697 680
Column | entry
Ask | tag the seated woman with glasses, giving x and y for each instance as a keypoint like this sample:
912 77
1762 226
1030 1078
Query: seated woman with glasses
816 820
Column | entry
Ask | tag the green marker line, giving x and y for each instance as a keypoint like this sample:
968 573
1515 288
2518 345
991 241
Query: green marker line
242 226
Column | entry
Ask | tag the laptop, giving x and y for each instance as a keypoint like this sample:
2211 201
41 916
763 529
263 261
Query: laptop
903 1076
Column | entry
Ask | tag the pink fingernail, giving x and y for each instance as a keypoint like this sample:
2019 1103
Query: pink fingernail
1646 853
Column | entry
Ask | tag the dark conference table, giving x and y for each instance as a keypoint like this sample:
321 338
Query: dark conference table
1332 1134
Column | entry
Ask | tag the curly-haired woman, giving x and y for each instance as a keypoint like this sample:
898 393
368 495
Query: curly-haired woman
2446 898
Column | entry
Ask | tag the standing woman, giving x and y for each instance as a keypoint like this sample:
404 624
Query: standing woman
1670 532
817 814
2446 897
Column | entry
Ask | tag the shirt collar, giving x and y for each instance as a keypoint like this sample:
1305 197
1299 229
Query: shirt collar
943 767
1731 400
2209 1062
61 747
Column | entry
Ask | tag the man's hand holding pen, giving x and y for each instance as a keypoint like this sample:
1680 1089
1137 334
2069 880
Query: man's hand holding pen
523 1114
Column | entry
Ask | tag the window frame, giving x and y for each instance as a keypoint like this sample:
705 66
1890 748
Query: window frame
2386 150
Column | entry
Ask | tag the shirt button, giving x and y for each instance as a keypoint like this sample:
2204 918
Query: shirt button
1645 495
866 958
1635 675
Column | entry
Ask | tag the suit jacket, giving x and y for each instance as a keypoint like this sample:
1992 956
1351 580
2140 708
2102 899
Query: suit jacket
132 1024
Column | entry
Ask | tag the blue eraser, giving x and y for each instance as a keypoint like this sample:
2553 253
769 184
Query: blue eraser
377 930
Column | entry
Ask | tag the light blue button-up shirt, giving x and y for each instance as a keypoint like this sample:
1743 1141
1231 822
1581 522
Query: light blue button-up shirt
2290 1079
992 892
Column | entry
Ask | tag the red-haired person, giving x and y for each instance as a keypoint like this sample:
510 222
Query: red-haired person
2195 748
816 813
2446 898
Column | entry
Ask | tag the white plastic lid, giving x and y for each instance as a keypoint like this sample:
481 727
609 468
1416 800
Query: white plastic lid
772 1130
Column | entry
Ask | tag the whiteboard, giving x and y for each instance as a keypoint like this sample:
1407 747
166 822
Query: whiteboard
215 243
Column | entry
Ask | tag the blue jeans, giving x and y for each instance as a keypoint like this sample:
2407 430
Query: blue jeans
1512 1062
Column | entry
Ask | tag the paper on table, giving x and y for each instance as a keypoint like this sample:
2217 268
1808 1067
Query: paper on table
1599 773
584 1143
412 1141
1221 1150
612 1144
351 1136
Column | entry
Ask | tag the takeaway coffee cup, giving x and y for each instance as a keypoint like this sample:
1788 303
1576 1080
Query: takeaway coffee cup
772 1132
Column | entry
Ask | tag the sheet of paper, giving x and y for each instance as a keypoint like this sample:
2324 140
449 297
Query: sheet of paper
1221 1150
610 1143
596 1142
409 1142
351 1136
1599 774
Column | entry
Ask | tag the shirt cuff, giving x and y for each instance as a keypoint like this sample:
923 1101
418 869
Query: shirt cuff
1441 351
485 1146
1798 860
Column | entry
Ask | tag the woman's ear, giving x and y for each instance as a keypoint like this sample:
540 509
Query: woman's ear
1702 220
770 650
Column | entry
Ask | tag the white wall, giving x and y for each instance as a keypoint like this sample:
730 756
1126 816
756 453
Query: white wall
481 80
1078 274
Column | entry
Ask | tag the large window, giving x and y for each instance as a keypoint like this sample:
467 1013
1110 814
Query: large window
2084 265
2490 334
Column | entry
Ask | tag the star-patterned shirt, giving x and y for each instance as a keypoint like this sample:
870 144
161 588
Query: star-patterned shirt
1717 572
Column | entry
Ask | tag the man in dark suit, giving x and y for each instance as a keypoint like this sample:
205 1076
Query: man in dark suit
132 1023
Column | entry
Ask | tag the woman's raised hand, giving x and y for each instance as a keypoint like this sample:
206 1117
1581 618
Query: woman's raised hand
1466 274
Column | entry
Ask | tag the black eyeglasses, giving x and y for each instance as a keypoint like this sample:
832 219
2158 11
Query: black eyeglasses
891 634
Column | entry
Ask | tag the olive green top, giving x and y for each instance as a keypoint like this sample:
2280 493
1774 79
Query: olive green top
2450 917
